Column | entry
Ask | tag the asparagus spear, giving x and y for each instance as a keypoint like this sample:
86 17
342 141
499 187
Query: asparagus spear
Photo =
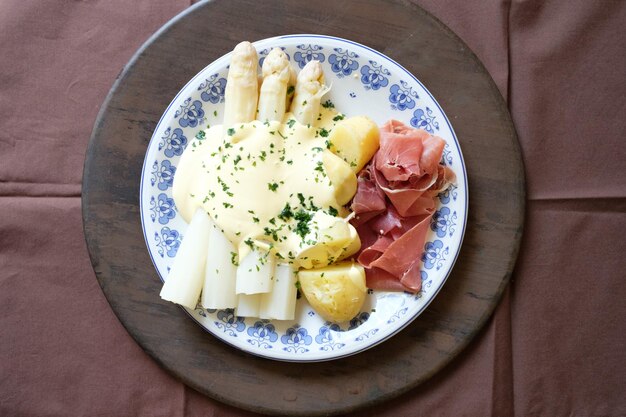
276 75
309 91
242 86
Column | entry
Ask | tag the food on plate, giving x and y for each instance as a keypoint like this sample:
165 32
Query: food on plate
394 204
289 193
186 277
275 192
336 292
355 140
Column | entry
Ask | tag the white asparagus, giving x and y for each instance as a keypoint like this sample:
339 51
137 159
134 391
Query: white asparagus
242 86
280 303
248 305
184 282
291 87
276 75
309 91
255 273
221 271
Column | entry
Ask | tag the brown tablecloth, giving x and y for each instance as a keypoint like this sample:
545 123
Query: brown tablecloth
556 344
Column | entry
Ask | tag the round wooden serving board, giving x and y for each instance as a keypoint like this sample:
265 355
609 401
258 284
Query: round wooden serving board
120 259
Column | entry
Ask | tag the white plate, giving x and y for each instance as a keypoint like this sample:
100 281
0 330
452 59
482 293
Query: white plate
364 82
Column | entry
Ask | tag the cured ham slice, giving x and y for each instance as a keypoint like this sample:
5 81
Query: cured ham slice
394 204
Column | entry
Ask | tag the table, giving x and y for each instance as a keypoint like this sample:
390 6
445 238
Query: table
554 345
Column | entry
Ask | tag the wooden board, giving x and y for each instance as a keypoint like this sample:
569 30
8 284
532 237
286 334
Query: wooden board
120 259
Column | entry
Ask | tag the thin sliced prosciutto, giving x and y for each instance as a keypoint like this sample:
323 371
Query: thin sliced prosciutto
394 204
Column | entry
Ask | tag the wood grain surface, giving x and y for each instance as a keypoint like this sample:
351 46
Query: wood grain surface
120 259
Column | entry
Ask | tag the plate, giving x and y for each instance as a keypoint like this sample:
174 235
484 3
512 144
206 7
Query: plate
364 82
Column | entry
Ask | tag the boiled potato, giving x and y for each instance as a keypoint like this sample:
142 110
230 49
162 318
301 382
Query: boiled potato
341 176
356 140
336 292
328 238
354 245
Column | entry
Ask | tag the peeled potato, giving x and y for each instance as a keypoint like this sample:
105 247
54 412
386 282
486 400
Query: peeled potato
336 292
331 239
352 247
356 140
341 176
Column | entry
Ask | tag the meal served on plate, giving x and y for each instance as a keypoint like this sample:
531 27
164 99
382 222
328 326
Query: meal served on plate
288 193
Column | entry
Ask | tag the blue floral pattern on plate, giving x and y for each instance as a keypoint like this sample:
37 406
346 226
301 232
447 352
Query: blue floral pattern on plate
343 62
374 76
424 119
365 82
191 113
162 208
308 53
213 89
402 97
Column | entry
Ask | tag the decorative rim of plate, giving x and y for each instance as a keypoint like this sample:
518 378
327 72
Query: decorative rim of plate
296 338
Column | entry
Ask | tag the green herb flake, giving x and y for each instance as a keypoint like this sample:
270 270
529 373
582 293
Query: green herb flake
230 131
200 135
286 213
272 186
302 227
333 211
291 122
338 117
328 104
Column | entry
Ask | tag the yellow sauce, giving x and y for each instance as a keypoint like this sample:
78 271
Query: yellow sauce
264 184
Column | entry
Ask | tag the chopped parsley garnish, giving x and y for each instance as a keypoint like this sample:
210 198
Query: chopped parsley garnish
237 159
255 219
328 104
338 117
227 205
301 198
291 122
215 113
302 227
263 155
249 242
272 186
323 133
230 131
332 211
320 167
200 135
286 213
233 257
290 90
271 232
329 144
